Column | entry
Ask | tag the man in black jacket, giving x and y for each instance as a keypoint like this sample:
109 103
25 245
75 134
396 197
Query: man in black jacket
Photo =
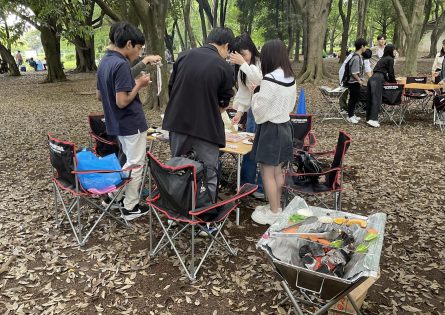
200 88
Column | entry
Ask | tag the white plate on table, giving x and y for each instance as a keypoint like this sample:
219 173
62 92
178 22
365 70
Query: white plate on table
247 141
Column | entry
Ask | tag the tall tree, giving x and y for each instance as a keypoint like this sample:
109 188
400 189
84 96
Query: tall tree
9 35
316 13
346 20
186 4
439 27
413 32
361 17
47 19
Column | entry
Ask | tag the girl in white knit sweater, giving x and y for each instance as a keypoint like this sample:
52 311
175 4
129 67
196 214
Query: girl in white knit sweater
247 58
271 105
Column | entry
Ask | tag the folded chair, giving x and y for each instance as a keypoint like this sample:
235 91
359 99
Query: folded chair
329 181
68 191
417 97
332 109
393 107
176 217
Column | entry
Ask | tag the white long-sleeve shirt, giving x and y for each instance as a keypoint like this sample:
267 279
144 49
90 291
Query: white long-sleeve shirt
437 64
243 97
276 98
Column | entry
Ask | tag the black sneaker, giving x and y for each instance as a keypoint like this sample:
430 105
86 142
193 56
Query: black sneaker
137 211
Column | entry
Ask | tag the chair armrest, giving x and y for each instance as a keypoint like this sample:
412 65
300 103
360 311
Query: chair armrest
127 169
245 190
103 140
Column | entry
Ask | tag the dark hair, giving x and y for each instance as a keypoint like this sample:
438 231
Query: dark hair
359 43
125 32
381 36
273 56
367 54
389 50
221 36
18 51
244 42
113 30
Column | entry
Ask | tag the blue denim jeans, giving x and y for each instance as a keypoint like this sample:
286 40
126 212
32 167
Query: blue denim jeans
249 167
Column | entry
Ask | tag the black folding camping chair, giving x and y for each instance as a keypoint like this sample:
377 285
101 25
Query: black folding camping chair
173 204
66 183
101 143
328 181
417 97
393 107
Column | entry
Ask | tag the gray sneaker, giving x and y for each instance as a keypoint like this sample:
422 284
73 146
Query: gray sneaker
264 215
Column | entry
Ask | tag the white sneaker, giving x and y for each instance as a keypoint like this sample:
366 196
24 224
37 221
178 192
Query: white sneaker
352 120
373 123
265 216
356 118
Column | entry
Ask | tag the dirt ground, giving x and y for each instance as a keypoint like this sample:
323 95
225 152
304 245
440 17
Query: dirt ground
399 171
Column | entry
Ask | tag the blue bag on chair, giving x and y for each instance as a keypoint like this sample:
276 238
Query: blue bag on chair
98 182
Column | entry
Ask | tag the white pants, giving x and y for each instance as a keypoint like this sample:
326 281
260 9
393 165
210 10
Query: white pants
134 148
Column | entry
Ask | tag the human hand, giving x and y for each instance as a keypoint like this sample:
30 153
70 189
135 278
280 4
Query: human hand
236 58
236 118
143 80
152 59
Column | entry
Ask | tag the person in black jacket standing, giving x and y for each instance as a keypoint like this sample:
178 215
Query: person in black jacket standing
200 88
383 72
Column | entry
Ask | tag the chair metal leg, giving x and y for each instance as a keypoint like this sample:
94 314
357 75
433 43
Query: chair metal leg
192 262
297 309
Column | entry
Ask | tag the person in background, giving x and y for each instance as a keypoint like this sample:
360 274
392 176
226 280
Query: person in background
124 117
140 63
32 63
377 50
200 89
356 78
383 72
247 57
19 58
438 69
271 104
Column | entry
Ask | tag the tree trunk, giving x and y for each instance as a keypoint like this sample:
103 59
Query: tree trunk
215 13
345 21
181 39
85 55
188 25
413 31
361 18
438 30
203 23
51 46
317 14
297 44
6 56
154 16
290 32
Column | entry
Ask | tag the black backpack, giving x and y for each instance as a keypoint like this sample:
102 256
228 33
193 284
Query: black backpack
306 163
183 187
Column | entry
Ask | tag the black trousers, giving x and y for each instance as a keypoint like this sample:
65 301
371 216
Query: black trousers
375 92
354 96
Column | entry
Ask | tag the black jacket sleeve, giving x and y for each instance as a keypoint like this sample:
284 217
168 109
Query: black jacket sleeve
391 75
225 90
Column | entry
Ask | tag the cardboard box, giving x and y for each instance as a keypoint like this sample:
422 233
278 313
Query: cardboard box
359 295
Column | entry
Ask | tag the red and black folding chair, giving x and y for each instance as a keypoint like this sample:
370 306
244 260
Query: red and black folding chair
417 97
68 191
329 181
303 138
173 204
